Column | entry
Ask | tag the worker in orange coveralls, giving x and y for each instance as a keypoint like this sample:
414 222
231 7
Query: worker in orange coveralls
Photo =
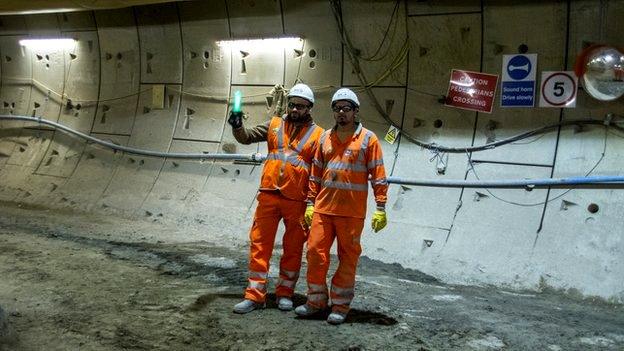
346 156
292 141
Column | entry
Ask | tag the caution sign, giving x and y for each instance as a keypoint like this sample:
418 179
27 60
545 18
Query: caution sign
559 89
471 90
392 135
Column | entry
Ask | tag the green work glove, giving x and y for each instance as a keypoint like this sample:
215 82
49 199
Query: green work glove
308 214
379 220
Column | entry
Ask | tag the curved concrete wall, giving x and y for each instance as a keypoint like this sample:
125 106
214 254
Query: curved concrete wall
512 238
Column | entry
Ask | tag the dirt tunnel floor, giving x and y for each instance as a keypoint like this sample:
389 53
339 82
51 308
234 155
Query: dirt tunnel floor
75 282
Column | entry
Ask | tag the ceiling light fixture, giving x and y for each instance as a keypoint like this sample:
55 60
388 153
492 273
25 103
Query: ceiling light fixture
48 43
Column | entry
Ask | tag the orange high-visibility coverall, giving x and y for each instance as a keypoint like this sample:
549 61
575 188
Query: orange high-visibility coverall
339 190
283 189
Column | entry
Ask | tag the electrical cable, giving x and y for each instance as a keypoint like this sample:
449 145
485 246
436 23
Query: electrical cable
372 58
604 149
399 59
204 156
444 149
337 10
528 142
257 158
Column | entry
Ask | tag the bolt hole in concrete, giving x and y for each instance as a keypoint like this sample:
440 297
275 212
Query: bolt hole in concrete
593 208
312 53
437 123
523 48
312 64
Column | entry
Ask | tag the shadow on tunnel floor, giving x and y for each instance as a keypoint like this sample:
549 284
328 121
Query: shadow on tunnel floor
354 316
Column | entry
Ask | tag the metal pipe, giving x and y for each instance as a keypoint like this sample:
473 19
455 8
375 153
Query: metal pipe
529 184
510 183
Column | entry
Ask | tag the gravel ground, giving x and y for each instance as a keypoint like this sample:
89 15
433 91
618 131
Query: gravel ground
78 282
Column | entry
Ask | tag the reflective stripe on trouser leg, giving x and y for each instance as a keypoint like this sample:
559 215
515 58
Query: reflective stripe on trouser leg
320 240
262 238
286 283
348 231
292 242
317 295
341 297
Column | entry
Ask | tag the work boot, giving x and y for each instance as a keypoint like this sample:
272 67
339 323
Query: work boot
306 310
246 306
284 303
336 317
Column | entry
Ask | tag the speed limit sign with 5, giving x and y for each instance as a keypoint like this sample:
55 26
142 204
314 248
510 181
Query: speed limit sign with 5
558 89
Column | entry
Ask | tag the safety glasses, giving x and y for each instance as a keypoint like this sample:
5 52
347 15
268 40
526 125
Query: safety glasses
345 109
292 105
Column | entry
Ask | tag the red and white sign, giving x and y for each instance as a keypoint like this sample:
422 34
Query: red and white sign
471 90
559 89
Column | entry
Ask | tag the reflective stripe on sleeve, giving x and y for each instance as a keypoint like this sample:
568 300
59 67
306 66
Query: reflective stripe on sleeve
345 186
315 179
374 163
380 181
346 166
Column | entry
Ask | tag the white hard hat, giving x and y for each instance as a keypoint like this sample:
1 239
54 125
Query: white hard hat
345 94
303 91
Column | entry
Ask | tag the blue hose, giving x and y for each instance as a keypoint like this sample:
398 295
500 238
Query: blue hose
511 183
508 183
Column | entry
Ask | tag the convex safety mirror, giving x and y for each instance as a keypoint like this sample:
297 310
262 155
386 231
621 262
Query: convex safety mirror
601 69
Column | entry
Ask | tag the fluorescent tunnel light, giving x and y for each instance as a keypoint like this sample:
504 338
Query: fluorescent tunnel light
48 44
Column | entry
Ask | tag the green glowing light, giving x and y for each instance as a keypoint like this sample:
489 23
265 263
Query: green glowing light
236 105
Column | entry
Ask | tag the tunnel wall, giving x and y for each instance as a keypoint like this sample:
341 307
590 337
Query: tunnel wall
512 238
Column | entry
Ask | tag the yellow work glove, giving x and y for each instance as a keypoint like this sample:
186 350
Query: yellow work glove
308 214
379 220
